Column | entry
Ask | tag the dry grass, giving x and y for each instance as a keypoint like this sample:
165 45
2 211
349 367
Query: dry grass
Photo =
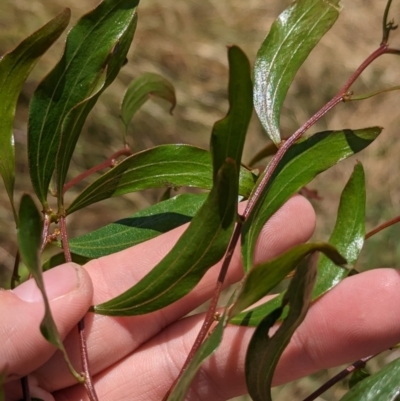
185 40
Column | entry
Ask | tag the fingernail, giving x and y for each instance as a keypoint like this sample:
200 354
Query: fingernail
58 281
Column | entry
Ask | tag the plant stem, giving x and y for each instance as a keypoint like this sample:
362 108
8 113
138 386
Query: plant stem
15 275
110 162
81 325
341 375
25 389
382 227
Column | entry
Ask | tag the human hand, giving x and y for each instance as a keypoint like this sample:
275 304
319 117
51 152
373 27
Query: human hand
137 358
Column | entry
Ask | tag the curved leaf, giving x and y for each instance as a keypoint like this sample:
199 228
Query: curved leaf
15 67
382 386
264 277
143 88
161 166
73 80
347 237
299 166
201 246
142 226
264 352
289 42
29 241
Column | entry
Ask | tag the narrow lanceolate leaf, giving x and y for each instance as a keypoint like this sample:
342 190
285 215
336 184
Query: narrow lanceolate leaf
229 134
160 167
29 241
264 352
289 42
74 120
142 88
142 226
347 237
298 167
201 246
264 277
76 77
382 386
14 69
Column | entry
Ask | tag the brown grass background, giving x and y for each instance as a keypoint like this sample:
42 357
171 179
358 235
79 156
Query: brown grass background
185 40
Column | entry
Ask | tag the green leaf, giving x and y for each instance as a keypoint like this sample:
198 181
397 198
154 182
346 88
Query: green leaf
201 246
89 45
348 238
15 67
382 386
289 42
74 120
29 241
142 88
59 259
232 129
140 227
158 167
264 352
301 163
264 277
358 376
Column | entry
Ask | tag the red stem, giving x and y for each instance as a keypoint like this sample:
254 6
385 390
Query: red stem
382 227
110 162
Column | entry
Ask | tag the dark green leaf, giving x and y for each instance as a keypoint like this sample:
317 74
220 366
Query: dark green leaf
201 246
141 89
74 120
382 386
14 69
347 237
299 166
89 45
29 241
142 226
358 376
264 277
232 129
289 42
162 166
59 259
264 352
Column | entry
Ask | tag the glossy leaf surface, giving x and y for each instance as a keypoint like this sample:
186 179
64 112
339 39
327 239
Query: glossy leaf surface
347 237
142 226
15 67
29 241
74 120
382 386
264 352
201 246
264 277
289 42
89 45
142 88
162 166
299 166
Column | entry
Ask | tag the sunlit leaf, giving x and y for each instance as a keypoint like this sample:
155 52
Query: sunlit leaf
142 88
264 352
299 166
382 386
289 42
201 246
264 277
29 241
74 120
89 45
15 67
142 226
347 237
159 167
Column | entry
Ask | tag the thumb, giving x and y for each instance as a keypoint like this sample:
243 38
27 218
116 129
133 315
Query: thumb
22 346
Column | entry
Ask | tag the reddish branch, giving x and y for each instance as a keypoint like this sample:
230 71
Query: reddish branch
382 227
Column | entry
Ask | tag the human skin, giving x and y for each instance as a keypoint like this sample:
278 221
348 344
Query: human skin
137 358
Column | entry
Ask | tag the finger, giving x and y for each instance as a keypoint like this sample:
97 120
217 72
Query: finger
355 319
23 347
111 275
